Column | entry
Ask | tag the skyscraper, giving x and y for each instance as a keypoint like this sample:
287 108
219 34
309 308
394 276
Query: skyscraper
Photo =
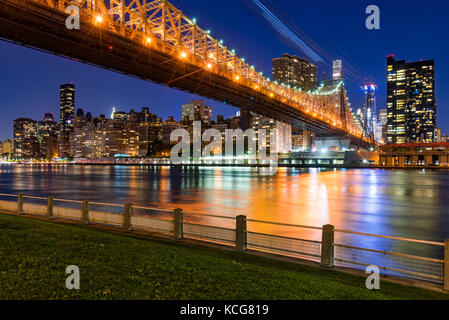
278 132
337 67
295 72
197 110
8 147
67 106
25 138
382 126
411 101
369 120
47 136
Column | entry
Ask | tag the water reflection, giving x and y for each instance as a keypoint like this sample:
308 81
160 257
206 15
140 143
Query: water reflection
401 203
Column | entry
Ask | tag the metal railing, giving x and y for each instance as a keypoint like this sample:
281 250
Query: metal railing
301 244
404 257
393 263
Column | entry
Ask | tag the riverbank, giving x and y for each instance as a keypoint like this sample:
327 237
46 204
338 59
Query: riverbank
35 254
224 165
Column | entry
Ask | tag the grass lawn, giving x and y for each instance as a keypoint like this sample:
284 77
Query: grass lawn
34 255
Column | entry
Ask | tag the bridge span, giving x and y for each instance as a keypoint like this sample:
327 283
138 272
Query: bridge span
156 42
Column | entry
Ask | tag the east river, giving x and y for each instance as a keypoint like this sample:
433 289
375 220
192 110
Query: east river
404 203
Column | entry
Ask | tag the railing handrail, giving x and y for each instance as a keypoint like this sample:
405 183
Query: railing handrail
208 215
8 195
390 237
285 224
64 200
283 237
390 253
36 198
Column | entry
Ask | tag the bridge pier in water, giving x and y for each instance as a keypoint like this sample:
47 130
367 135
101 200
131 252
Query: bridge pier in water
332 143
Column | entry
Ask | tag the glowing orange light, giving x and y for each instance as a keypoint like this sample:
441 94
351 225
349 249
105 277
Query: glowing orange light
272 94
149 40
99 19
183 55
209 66
237 78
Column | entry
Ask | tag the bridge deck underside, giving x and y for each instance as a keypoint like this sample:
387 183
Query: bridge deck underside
43 28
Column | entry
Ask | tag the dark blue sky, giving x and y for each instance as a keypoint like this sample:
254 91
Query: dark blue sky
410 29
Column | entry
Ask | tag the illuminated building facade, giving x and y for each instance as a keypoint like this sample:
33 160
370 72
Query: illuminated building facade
337 70
67 106
295 72
278 132
381 130
7 147
197 110
411 101
26 144
48 136
369 121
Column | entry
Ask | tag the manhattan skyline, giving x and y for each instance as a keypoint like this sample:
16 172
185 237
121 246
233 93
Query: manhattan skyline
30 81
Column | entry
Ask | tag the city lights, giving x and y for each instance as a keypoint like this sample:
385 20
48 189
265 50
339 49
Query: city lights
204 150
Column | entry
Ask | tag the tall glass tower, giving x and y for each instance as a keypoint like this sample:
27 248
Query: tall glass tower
411 102
66 106
369 110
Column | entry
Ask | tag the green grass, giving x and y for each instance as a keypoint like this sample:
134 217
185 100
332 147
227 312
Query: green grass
34 255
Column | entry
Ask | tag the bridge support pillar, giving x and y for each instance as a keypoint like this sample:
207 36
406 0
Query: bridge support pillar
332 143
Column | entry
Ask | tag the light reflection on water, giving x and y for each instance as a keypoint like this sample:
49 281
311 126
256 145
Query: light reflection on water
400 203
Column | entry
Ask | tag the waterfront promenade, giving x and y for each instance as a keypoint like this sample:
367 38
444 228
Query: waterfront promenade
328 250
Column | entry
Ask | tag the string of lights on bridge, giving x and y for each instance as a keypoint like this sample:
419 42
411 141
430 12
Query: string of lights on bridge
199 44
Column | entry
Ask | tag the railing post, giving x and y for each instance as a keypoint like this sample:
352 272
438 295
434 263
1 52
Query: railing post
50 207
240 233
127 217
20 204
327 246
178 221
446 265
85 212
